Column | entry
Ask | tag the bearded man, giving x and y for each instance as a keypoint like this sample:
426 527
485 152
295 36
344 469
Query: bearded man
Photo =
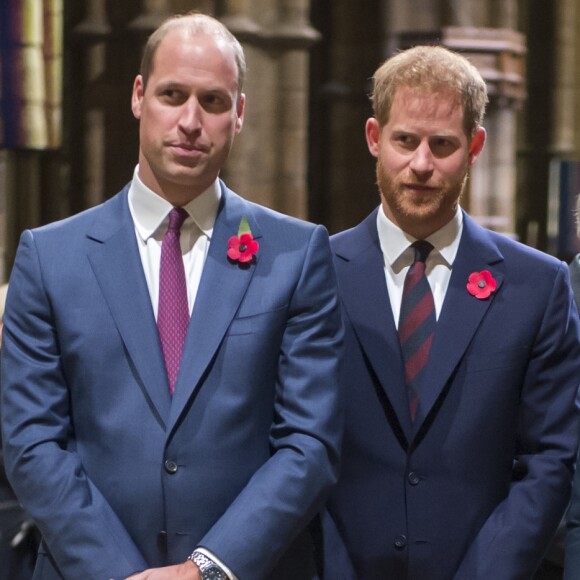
463 356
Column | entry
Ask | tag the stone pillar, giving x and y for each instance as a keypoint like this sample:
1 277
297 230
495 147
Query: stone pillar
31 111
268 162
562 239
23 78
152 14
498 53
413 15
342 170
486 33
564 107
251 168
109 41
92 34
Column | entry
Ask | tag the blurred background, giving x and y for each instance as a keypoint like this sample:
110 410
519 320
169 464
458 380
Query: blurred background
68 139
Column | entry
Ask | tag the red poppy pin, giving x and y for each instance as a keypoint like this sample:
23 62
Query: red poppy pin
481 284
242 248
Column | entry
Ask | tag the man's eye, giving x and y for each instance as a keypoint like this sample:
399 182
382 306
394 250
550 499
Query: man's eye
442 147
171 95
215 103
406 141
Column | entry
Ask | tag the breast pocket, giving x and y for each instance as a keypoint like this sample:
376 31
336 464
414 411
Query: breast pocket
259 322
491 360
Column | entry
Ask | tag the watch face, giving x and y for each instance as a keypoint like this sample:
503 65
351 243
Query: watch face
213 573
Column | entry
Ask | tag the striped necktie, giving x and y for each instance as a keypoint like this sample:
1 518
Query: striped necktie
416 323
173 310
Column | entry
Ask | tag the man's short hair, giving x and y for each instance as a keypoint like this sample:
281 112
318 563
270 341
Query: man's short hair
431 69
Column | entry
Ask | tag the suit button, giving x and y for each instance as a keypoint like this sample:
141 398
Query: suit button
170 466
413 478
400 542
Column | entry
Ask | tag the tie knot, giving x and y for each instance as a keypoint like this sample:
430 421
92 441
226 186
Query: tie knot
176 218
422 249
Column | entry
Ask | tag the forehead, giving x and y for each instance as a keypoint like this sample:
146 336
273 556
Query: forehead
187 55
428 109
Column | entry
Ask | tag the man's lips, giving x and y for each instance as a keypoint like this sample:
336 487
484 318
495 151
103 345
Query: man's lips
419 187
187 149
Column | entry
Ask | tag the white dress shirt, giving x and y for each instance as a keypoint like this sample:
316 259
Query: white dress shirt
150 215
398 257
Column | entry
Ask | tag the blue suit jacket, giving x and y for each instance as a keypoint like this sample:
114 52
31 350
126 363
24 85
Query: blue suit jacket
119 476
475 488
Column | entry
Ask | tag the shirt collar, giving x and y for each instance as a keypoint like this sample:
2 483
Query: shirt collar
149 210
394 241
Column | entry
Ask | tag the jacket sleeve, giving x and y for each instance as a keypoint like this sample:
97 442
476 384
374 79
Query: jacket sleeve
76 522
516 534
290 488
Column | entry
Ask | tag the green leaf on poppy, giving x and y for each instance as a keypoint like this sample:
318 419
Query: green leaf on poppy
244 227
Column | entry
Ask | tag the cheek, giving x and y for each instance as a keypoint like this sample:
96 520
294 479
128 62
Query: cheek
157 118
223 130
453 168
391 161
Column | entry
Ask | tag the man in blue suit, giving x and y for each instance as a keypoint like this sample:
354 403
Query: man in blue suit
464 356
129 469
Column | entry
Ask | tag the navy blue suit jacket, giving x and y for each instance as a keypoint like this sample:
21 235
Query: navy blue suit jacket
119 476
475 488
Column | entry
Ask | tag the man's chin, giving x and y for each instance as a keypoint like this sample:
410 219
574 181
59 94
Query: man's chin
420 211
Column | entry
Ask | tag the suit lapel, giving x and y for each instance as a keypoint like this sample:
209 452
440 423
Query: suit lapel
222 288
366 300
461 314
115 260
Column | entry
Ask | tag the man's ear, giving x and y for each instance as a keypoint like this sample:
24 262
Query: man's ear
240 109
476 145
373 133
137 96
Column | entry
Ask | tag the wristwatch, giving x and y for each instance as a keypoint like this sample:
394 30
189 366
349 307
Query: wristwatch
208 568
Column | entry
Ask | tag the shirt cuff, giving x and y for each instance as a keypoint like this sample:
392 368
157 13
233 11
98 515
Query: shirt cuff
218 562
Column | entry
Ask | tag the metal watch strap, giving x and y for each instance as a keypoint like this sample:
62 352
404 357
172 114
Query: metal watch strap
208 568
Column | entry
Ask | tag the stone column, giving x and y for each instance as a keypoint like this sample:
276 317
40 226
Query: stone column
92 34
562 239
152 14
498 53
250 169
53 52
564 107
268 162
341 168
23 77
411 15
31 79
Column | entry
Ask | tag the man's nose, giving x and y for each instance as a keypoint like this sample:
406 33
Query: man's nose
190 118
422 160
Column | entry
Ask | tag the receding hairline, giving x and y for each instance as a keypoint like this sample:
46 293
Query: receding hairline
193 24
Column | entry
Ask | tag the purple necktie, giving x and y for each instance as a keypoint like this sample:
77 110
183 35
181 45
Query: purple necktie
416 323
173 311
